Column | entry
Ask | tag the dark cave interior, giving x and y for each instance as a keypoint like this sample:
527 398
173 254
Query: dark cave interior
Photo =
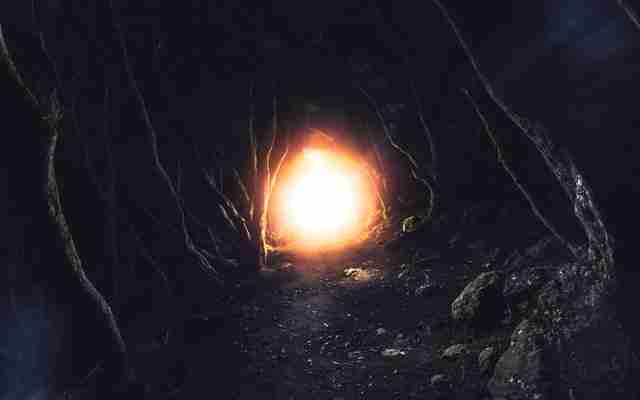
173 120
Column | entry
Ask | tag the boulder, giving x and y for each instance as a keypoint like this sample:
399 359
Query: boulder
571 346
454 351
521 372
481 301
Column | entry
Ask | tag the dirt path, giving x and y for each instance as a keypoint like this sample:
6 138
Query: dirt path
320 333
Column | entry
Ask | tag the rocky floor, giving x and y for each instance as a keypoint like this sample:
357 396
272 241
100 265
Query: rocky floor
373 327
384 322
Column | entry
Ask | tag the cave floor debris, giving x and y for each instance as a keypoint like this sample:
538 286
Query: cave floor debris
346 330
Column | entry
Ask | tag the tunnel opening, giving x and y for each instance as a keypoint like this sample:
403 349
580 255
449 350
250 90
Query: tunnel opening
325 199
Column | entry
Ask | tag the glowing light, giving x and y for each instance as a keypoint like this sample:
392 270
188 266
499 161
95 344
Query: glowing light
324 200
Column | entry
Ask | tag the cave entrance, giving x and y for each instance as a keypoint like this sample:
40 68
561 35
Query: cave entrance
324 200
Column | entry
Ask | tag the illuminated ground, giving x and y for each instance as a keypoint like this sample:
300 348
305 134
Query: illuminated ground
314 329
317 335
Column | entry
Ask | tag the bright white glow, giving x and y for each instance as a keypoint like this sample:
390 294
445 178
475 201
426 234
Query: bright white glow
322 200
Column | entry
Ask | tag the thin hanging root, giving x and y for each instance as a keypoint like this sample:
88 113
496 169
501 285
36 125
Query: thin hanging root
227 207
428 134
270 181
264 223
245 192
631 13
190 246
146 255
64 255
413 164
374 183
266 191
557 160
514 177
380 164
386 130
432 193
43 46
253 149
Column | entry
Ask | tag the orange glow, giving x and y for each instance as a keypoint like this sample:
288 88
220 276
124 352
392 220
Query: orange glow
324 201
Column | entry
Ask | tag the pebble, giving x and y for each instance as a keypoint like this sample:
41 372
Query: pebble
392 353
439 380
454 351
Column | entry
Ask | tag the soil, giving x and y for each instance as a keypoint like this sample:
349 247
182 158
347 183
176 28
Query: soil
313 329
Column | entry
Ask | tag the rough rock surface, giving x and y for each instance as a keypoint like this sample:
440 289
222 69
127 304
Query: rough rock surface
454 351
481 300
521 286
439 380
520 373
570 347
486 359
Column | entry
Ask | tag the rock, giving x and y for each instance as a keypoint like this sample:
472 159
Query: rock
416 280
454 351
349 272
401 340
380 331
427 286
357 274
285 266
523 285
582 327
522 371
392 353
481 300
439 380
410 224
486 359
571 343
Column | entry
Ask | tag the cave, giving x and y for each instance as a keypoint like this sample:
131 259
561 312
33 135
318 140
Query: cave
349 200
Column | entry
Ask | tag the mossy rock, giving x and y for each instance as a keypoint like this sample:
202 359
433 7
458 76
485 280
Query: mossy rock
410 224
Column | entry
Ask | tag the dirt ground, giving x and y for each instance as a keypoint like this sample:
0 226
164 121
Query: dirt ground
370 326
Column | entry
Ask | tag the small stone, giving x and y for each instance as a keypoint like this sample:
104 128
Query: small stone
410 224
439 380
286 266
357 274
380 331
454 351
486 359
393 353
